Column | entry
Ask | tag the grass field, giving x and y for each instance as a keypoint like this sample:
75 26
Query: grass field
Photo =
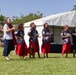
54 65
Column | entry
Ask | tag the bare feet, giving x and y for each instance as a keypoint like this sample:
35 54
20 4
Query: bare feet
22 57
61 56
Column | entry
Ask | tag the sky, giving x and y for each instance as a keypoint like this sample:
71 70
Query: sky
10 8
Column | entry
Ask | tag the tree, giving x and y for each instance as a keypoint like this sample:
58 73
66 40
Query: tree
2 18
74 8
27 18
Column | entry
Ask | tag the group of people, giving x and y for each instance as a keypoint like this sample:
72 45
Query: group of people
16 41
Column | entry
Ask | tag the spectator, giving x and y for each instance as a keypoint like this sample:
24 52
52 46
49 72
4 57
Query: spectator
9 38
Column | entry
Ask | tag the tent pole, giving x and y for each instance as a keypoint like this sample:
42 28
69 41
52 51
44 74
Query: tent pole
53 32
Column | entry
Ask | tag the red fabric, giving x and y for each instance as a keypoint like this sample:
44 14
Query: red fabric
45 48
14 39
21 49
37 48
33 45
66 48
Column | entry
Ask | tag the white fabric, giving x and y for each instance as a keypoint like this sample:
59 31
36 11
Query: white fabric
60 19
55 20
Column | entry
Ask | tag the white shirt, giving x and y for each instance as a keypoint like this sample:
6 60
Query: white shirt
8 35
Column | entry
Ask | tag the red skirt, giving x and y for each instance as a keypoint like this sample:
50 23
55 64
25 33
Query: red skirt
33 45
66 48
37 49
21 49
45 48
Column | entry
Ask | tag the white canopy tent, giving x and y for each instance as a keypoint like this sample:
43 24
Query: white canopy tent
56 21
60 19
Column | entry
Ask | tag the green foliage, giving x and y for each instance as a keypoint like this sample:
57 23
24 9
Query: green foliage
54 65
2 18
74 8
27 18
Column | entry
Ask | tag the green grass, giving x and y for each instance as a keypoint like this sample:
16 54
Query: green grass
54 65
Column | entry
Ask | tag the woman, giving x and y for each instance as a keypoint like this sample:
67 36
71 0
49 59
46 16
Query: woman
65 35
33 41
37 49
21 47
46 38
9 38
73 33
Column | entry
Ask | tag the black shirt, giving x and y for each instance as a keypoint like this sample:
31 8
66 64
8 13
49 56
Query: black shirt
73 31
33 35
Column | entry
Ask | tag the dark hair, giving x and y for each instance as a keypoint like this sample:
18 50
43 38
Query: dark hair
45 24
31 24
65 26
20 25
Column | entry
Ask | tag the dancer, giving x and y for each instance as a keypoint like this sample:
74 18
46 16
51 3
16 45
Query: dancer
46 39
65 35
21 47
73 33
33 40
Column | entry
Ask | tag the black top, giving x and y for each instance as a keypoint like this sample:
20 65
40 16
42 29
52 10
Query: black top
33 35
46 37
20 33
65 40
73 31
20 37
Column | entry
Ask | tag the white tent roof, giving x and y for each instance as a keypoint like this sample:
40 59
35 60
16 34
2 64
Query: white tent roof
60 19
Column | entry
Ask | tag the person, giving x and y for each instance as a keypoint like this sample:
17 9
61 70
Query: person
33 41
73 33
46 39
1 36
65 35
9 38
21 47
37 49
